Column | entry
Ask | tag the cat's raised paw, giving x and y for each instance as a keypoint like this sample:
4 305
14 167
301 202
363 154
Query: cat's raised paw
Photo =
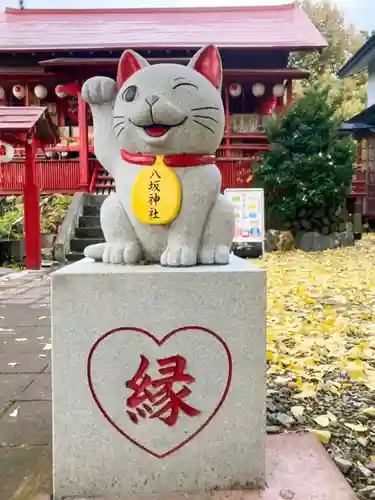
214 254
179 256
99 90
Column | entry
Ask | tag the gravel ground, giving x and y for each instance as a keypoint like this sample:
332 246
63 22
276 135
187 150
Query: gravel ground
321 353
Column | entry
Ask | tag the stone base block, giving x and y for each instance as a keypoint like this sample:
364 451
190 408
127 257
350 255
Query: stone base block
298 468
158 378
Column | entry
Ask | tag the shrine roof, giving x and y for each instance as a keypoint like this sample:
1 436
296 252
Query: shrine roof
20 118
360 60
281 26
70 62
16 119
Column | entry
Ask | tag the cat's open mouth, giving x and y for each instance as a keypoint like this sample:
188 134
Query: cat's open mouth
156 130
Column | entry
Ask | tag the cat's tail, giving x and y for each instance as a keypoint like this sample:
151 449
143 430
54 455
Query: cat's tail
95 251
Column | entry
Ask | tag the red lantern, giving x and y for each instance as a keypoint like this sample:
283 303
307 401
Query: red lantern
18 91
6 152
235 89
59 90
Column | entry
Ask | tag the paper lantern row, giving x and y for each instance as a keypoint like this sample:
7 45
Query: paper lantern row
259 90
40 92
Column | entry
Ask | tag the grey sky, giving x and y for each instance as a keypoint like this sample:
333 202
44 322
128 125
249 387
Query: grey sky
359 12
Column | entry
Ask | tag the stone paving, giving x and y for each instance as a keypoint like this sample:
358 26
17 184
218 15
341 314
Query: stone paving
25 385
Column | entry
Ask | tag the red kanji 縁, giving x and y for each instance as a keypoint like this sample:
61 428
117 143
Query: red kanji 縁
158 398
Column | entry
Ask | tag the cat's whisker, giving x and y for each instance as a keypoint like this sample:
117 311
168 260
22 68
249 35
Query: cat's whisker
119 132
117 124
206 107
117 116
206 118
204 125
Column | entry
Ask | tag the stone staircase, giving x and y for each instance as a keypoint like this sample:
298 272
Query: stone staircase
88 230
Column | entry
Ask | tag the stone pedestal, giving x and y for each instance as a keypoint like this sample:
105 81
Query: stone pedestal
158 378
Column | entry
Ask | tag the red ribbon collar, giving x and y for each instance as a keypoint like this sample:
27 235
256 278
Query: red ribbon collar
173 161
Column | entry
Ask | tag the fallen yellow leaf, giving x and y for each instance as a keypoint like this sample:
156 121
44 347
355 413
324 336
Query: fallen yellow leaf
369 411
322 420
297 411
331 416
323 436
362 441
370 385
308 391
356 427
356 370
270 355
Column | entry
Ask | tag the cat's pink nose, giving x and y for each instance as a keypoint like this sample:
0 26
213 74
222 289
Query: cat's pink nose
152 99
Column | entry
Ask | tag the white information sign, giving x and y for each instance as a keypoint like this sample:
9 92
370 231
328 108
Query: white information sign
248 207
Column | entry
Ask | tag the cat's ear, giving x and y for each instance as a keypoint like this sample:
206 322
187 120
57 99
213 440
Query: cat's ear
207 62
130 62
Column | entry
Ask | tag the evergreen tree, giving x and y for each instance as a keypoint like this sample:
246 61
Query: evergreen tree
310 166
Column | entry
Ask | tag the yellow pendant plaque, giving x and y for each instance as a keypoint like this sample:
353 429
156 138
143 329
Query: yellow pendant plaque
156 194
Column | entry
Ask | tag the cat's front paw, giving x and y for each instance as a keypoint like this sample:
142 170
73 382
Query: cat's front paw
115 253
179 256
214 254
99 90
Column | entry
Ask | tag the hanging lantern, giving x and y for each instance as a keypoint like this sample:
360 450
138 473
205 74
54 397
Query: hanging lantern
40 91
18 91
2 94
278 90
235 89
59 91
258 89
6 152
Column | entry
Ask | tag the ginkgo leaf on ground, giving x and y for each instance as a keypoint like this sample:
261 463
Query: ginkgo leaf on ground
356 427
370 412
297 411
322 420
331 417
323 436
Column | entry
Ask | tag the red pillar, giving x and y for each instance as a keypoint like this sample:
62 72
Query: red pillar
31 207
27 97
83 144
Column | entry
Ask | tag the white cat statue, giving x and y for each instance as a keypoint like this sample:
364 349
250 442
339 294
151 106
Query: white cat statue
172 116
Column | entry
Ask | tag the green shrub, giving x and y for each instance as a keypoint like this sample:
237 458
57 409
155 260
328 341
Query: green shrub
310 166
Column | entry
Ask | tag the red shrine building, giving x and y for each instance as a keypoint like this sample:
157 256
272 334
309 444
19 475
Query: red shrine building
46 55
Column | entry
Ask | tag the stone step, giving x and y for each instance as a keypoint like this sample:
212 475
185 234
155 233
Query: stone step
89 221
104 178
91 210
79 244
89 232
95 199
105 186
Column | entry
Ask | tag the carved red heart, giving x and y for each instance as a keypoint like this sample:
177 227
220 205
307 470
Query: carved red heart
213 339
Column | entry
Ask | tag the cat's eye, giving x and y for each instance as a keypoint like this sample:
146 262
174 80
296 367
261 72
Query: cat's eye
185 84
130 93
